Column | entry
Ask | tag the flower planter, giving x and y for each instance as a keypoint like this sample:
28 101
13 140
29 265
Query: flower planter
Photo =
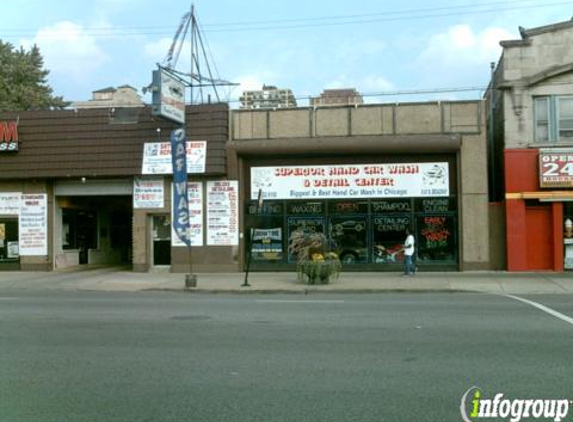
319 272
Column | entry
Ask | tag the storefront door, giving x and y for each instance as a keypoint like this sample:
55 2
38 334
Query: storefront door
539 224
161 240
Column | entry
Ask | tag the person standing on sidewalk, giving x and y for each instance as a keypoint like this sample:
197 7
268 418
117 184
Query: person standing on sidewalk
409 248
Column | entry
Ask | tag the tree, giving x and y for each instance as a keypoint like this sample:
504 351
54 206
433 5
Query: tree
23 84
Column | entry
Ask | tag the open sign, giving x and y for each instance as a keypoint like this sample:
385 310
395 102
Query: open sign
556 168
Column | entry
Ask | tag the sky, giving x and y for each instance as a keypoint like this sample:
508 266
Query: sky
411 50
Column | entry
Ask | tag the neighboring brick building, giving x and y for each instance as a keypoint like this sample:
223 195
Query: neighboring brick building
531 148
76 171
268 97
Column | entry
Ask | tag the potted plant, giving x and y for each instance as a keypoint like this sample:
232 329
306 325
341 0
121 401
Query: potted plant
313 258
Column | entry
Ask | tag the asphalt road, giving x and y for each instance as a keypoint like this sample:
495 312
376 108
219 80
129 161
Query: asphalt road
155 356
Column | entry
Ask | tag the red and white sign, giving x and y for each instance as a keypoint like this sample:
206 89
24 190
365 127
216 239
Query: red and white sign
556 168
147 193
157 157
223 212
404 180
8 136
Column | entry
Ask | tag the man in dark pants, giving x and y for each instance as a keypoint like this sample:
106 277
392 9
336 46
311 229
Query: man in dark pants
409 249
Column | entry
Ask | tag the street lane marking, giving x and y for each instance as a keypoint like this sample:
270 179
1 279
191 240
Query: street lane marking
543 308
298 301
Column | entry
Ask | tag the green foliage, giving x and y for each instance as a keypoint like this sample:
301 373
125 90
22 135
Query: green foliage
319 271
313 259
23 84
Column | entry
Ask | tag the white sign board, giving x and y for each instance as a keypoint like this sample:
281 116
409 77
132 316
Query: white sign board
195 201
169 97
157 157
148 193
33 224
404 180
223 212
10 203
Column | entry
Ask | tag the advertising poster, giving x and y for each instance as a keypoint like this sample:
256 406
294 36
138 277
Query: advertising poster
556 168
351 181
195 204
157 157
223 213
267 244
33 225
10 203
148 193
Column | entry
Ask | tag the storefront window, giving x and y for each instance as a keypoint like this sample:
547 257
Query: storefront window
349 238
9 252
348 230
306 225
265 231
388 235
436 238
365 232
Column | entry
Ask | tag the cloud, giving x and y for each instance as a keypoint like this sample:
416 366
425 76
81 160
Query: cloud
68 49
460 46
374 83
157 50
459 57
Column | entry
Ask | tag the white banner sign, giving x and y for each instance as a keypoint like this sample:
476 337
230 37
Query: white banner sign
148 193
223 212
33 224
195 196
157 157
10 203
351 181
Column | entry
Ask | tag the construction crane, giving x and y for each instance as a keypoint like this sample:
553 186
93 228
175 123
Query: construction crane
195 79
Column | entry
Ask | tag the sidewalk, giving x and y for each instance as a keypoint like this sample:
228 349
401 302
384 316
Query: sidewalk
113 279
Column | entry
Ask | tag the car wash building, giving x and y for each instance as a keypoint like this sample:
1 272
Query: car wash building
93 186
361 175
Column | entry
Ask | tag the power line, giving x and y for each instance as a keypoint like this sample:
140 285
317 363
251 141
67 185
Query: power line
369 15
298 23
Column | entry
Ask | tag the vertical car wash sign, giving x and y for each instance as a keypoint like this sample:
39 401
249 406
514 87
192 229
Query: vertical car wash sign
180 198
8 136
33 224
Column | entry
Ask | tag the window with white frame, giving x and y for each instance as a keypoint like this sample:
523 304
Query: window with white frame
553 116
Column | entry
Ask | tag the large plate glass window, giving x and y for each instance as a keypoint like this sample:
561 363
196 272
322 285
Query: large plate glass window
264 225
349 238
304 225
436 237
388 236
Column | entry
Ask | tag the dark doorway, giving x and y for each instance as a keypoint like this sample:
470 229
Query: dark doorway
161 237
